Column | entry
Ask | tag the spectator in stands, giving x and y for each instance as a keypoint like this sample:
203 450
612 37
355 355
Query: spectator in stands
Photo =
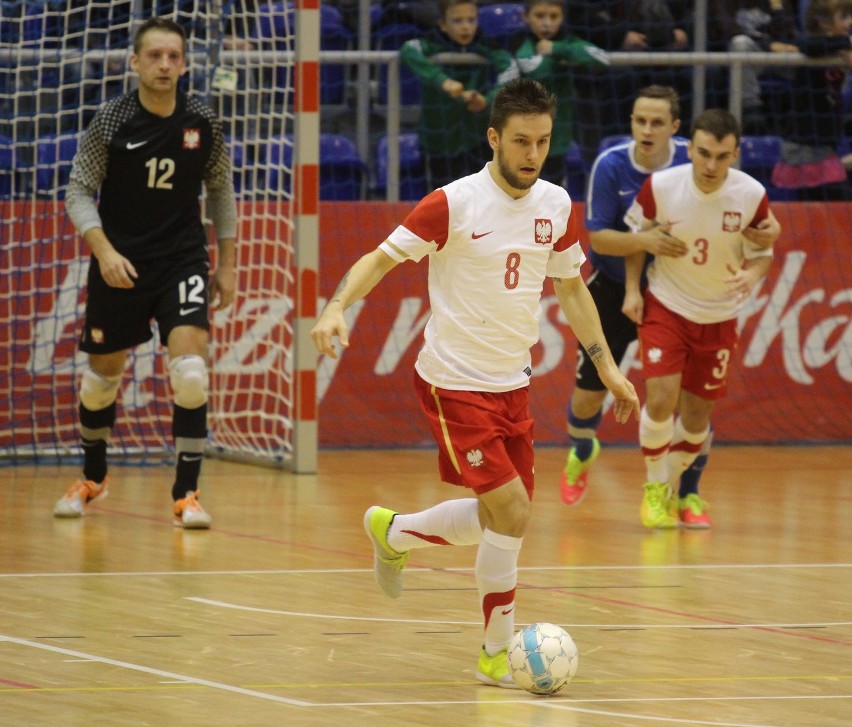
755 26
627 26
455 97
548 53
663 24
810 160
415 12
609 94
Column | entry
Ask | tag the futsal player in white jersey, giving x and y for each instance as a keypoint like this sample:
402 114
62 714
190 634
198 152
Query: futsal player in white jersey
491 239
688 316
615 179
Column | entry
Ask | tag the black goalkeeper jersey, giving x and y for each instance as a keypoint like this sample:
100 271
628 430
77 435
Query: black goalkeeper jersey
149 171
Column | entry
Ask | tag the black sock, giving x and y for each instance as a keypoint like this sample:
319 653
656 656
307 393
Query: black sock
95 427
189 427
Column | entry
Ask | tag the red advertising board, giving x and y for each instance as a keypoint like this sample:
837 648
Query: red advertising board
793 371
791 382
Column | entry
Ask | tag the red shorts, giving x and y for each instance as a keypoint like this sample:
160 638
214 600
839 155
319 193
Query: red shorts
485 439
702 352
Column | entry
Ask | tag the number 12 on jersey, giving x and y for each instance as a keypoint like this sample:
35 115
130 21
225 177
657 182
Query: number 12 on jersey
160 171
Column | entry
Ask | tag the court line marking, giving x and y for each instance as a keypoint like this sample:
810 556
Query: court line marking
156 672
427 569
655 719
182 679
301 614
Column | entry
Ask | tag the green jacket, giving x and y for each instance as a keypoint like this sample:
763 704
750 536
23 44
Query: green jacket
447 128
555 72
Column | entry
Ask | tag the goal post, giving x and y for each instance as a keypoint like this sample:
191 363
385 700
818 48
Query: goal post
58 62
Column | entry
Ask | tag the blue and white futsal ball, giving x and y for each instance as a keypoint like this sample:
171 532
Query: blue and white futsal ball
542 658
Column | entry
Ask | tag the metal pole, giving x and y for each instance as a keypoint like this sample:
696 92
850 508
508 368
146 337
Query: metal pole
393 129
362 107
699 72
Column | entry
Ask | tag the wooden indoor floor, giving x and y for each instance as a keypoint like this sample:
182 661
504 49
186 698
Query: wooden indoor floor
273 618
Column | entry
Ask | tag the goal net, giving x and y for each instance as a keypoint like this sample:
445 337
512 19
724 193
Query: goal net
58 62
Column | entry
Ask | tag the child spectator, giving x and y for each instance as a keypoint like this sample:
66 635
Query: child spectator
455 97
547 53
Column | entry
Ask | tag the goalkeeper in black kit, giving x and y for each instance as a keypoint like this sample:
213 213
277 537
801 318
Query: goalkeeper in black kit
146 155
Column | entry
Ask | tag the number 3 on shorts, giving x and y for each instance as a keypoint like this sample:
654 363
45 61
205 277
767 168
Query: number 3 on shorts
723 356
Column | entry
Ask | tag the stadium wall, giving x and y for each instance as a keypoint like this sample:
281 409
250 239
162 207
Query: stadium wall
791 382
792 375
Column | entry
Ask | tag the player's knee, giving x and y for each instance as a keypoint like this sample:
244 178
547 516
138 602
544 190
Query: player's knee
189 379
98 391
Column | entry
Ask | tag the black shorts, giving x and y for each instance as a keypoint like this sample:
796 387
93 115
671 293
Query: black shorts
173 294
618 329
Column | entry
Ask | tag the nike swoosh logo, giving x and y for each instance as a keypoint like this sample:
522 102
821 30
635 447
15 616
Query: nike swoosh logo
187 311
710 387
508 611
191 457
625 192
474 236
136 144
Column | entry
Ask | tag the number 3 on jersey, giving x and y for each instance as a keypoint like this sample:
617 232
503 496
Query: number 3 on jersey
160 171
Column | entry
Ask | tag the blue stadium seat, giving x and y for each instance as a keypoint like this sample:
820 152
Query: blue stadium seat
412 170
575 173
53 157
846 95
758 155
391 37
276 22
29 24
237 148
342 172
500 21
279 162
7 166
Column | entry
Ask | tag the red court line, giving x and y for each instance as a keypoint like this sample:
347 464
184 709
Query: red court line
18 685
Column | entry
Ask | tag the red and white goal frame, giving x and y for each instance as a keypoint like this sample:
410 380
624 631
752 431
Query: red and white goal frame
262 77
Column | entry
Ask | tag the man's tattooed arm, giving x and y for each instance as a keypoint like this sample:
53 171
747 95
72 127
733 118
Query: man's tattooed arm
596 353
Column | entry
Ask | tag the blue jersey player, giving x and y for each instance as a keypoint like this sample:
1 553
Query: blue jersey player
616 177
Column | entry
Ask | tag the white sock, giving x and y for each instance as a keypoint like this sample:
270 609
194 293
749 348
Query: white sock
685 447
454 522
497 577
655 439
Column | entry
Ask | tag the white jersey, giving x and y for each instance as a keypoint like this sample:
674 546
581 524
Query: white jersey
489 256
711 225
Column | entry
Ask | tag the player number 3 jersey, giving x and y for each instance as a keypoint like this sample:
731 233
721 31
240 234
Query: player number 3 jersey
711 225
489 256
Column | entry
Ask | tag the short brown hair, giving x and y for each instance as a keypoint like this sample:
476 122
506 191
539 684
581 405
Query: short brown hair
663 93
445 5
521 96
719 122
155 23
